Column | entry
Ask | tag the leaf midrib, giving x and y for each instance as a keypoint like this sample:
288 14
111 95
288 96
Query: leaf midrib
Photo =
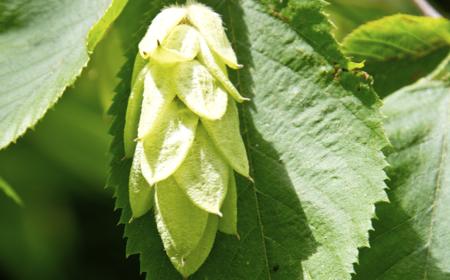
438 182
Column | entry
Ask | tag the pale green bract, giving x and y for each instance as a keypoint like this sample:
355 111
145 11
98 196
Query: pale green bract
182 129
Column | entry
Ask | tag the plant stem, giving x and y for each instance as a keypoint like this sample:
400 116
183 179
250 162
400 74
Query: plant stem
427 9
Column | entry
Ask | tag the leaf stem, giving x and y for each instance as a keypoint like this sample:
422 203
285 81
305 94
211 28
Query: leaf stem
427 9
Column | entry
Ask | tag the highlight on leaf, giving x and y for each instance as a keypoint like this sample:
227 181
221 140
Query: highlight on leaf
183 129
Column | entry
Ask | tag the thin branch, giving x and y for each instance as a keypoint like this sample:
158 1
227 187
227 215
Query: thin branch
427 9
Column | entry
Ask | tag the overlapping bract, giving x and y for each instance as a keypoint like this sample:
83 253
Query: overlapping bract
182 130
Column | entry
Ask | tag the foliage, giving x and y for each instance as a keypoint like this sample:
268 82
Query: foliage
349 14
401 46
417 215
289 221
313 131
36 68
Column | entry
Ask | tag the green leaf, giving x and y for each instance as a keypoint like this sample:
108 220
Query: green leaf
180 45
206 57
134 109
203 176
140 192
225 135
313 136
228 223
180 222
43 47
199 91
412 235
201 252
168 144
9 191
157 98
349 14
210 27
399 49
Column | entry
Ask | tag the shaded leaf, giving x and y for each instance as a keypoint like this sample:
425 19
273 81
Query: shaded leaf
197 257
225 133
140 192
228 223
134 110
412 235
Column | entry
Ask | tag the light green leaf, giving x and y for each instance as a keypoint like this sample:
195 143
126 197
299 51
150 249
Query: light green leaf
43 48
209 60
313 136
139 63
9 191
225 134
180 45
199 91
140 192
412 235
167 145
203 176
157 98
228 223
160 28
134 110
347 15
399 49
196 258
211 28
180 223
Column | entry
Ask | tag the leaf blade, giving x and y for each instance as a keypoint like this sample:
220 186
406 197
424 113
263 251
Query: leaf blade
416 217
203 176
37 66
399 49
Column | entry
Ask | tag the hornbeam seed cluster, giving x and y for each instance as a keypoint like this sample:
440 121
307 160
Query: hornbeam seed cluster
182 130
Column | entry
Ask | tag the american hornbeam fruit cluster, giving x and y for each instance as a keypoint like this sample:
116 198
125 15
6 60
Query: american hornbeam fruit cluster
182 130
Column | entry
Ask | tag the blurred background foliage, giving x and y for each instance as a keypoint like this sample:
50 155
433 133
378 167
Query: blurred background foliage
66 228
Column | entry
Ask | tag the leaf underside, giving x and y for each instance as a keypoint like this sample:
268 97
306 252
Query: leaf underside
412 235
313 140
43 47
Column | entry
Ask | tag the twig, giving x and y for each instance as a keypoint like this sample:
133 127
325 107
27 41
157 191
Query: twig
427 9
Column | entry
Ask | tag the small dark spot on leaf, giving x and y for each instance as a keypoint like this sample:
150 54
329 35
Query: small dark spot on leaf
275 268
